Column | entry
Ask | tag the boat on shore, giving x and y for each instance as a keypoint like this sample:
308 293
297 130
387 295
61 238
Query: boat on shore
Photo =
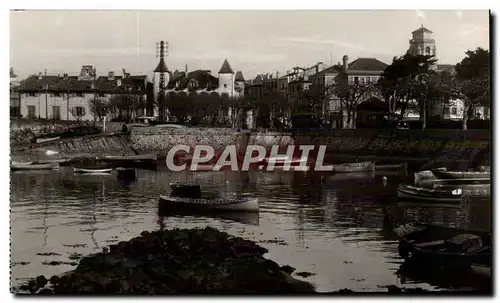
190 196
284 160
410 192
18 163
47 139
33 166
445 247
354 167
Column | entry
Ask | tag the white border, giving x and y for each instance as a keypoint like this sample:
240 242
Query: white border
192 4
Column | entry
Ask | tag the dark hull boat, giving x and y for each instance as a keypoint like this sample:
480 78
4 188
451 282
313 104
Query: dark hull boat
447 248
189 196
461 175
414 193
354 167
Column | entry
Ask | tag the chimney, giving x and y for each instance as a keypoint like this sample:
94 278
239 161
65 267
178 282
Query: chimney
186 70
345 62
111 75
124 73
277 75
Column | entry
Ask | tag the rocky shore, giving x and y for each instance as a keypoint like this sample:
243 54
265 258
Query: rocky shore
184 261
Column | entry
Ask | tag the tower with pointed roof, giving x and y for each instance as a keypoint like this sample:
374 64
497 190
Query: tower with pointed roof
422 42
226 79
160 69
239 84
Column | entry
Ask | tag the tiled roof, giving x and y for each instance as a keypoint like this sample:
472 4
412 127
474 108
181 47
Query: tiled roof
332 69
258 80
239 76
367 64
422 29
226 68
161 67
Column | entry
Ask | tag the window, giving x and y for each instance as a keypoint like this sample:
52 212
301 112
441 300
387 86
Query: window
31 94
56 112
55 95
101 95
79 94
446 111
368 79
225 85
31 111
356 79
453 110
427 50
80 111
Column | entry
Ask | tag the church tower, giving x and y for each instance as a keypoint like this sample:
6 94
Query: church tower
422 42
226 79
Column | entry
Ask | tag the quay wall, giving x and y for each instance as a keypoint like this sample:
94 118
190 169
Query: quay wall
434 147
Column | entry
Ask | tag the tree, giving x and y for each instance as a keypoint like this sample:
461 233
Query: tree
98 108
351 94
472 81
401 83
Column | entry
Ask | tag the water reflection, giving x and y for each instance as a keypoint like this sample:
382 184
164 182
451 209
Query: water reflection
331 224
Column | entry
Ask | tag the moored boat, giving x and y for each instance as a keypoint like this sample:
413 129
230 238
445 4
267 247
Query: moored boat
354 167
453 248
284 160
47 139
59 161
407 191
152 157
17 163
461 175
190 196
35 166
92 170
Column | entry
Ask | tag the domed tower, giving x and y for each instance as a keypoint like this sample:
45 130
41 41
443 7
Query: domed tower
226 79
422 42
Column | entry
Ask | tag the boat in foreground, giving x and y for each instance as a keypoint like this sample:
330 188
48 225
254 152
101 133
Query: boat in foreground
17 163
445 247
152 157
354 167
407 191
461 175
35 166
190 196
47 139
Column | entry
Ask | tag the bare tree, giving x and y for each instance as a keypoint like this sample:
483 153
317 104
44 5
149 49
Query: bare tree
98 108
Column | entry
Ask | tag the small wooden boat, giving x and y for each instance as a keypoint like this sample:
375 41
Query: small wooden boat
130 158
284 160
406 191
461 175
42 140
59 161
18 163
453 248
35 166
354 167
389 167
92 170
189 196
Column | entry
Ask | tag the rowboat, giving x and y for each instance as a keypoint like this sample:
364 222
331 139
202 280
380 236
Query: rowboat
284 160
130 158
354 167
189 196
59 161
388 167
461 175
406 191
34 166
42 140
17 163
92 170
243 204
445 247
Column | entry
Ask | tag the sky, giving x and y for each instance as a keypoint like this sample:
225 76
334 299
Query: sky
252 41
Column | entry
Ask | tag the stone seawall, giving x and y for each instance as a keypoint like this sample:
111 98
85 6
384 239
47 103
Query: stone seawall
438 147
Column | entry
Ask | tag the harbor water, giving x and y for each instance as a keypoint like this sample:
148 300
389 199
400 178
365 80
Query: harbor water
337 227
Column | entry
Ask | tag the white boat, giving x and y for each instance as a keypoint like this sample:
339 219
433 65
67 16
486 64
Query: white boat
42 140
18 163
406 191
59 161
35 166
284 160
242 204
92 170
